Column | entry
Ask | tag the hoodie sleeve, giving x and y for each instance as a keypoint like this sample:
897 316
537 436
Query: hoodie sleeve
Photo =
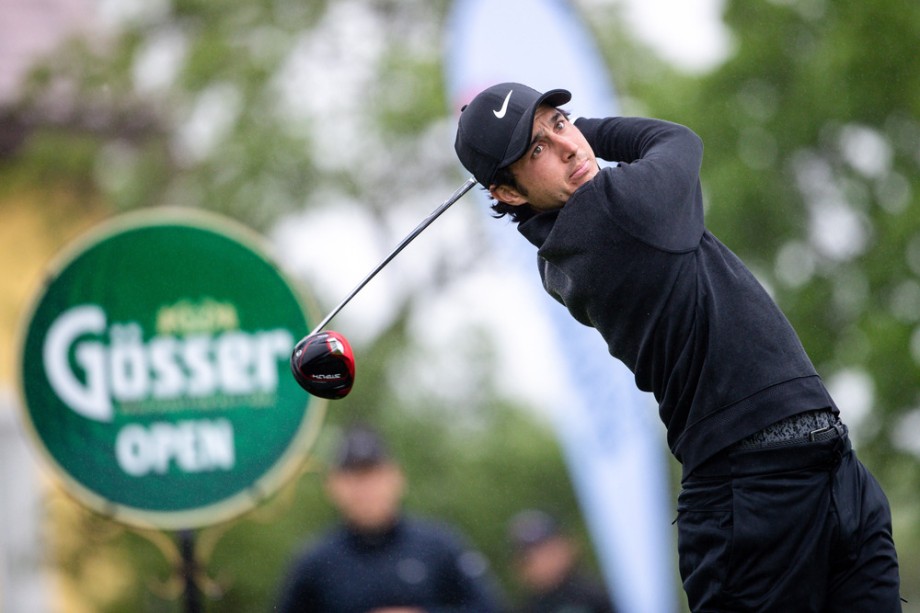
654 190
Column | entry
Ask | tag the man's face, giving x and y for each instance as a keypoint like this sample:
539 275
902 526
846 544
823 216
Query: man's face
368 498
558 161
542 567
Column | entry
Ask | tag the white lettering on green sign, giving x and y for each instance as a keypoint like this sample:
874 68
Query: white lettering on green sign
194 446
165 368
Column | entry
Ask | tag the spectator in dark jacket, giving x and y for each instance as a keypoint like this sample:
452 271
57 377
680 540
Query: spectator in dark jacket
378 559
547 561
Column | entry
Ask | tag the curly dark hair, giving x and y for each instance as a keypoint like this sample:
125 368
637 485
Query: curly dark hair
518 213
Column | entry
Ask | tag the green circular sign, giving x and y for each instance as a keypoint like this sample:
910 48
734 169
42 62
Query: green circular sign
155 371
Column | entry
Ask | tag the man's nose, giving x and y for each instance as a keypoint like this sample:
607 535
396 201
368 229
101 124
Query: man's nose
567 146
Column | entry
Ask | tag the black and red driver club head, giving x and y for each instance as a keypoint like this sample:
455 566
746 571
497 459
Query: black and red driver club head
324 365
322 362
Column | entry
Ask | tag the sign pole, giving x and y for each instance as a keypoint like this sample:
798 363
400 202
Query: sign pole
191 592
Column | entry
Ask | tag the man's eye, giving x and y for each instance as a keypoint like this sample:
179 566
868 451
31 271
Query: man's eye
560 125
537 151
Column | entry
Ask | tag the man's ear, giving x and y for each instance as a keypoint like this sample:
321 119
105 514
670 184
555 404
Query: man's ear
507 194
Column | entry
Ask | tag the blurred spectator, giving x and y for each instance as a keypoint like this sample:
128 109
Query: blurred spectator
378 559
548 563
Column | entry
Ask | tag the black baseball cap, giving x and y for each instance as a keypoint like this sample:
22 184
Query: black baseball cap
530 528
494 129
360 447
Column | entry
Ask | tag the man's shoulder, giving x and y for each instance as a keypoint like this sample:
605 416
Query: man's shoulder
422 527
434 534
330 543
586 589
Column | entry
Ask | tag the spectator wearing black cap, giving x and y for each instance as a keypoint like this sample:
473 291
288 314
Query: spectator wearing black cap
547 561
378 559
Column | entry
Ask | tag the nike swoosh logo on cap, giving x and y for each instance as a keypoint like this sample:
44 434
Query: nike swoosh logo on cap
501 112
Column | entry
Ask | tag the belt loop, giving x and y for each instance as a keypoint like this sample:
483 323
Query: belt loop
814 434
820 433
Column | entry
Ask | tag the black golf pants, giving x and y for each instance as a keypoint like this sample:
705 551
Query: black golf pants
801 527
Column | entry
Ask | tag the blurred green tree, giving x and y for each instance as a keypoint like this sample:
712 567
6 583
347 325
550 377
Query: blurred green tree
259 109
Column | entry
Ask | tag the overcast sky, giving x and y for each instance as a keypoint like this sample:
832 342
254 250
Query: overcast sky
688 33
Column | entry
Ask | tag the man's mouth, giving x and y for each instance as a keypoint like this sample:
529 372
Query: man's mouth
581 169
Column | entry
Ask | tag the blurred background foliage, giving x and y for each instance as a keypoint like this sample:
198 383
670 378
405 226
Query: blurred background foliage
266 109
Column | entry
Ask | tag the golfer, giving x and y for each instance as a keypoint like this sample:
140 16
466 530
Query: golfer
775 511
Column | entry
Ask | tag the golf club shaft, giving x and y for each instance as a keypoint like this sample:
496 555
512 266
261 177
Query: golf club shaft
418 229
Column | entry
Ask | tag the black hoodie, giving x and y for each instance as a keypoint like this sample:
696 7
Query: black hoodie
629 255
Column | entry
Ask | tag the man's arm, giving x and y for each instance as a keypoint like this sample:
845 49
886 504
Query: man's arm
654 192
627 139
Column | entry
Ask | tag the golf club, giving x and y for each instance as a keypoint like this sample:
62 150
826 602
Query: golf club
324 365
